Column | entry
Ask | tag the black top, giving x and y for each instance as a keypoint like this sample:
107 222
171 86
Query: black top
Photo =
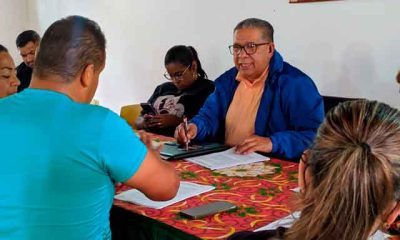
167 99
276 234
24 74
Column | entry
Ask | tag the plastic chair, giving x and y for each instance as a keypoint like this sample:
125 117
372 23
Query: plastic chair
130 113
332 101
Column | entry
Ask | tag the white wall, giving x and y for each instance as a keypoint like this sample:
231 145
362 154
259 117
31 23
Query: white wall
350 48
14 20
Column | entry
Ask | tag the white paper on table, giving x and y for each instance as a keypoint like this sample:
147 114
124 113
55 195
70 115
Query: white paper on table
379 235
296 190
225 159
288 221
186 190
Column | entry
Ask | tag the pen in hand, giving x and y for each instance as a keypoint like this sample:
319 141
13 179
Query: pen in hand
185 128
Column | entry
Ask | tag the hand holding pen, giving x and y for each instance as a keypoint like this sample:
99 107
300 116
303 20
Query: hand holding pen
185 128
185 132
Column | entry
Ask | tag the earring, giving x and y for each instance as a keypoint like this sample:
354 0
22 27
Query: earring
195 75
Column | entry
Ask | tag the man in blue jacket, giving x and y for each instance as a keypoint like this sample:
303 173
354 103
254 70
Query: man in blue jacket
262 104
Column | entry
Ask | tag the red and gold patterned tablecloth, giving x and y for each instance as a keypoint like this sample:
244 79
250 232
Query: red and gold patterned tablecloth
261 199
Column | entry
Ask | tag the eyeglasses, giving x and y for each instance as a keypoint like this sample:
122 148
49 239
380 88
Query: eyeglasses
249 48
178 76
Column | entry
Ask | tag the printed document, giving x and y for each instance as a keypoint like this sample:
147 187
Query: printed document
186 190
226 159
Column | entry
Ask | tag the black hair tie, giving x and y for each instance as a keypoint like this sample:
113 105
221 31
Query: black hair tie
365 146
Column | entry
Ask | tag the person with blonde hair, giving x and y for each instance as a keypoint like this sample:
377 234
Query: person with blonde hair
350 180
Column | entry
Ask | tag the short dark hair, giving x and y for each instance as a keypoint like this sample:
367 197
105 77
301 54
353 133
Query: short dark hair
27 36
3 49
266 27
68 46
184 55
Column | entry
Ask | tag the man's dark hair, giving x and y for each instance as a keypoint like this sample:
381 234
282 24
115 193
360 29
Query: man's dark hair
68 46
184 55
264 26
27 36
3 49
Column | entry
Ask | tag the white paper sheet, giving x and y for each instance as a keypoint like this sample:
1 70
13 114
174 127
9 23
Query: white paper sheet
186 190
296 190
288 221
226 159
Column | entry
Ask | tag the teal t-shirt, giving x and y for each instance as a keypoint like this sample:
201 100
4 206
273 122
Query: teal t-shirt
58 163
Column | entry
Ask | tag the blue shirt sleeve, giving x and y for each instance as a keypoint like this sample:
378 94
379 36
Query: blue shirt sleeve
211 117
122 151
207 120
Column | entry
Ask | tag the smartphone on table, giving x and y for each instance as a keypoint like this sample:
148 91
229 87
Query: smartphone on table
147 108
207 209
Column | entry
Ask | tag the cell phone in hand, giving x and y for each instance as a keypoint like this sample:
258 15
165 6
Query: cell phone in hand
207 209
147 108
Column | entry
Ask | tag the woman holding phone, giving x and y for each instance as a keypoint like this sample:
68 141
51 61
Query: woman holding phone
182 96
350 177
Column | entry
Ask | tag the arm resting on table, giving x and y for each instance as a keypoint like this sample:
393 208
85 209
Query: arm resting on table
157 179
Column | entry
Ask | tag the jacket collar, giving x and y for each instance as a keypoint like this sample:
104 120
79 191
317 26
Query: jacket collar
275 65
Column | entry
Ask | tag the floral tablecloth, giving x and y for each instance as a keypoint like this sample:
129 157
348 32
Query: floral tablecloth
261 191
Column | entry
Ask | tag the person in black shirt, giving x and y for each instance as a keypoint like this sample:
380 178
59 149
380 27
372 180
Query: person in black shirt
182 96
27 42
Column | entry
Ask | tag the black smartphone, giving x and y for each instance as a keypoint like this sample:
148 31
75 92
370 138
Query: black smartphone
207 209
147 108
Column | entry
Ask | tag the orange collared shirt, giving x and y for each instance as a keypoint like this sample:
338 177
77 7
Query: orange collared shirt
242 112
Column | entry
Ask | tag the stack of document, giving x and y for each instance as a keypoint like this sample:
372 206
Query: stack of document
226 159
186 190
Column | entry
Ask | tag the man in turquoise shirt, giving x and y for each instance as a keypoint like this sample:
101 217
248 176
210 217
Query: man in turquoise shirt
61 185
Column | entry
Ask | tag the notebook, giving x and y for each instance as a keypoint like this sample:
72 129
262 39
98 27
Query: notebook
172 150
